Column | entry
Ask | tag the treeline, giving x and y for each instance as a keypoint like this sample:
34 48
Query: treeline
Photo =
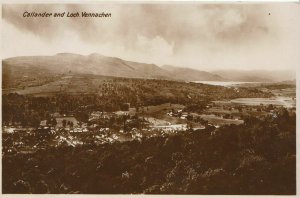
111 95
257 157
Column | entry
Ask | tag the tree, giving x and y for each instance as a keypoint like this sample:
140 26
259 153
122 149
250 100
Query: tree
64 123
54 122
124 107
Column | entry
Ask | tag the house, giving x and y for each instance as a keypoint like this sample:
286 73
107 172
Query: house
121 113
68 119
95 115
77 130
184 115
55 115
7 129
44 130
43 123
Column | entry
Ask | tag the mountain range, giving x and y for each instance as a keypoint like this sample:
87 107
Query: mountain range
111 66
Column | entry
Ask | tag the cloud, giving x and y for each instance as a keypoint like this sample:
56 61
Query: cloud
204 36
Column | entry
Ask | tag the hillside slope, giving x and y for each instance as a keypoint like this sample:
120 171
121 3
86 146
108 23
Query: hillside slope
192 74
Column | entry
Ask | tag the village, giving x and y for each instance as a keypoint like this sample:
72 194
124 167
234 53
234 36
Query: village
129 124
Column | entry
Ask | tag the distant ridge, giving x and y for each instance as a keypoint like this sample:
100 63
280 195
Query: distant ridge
257 75
98 64
192 74
103 65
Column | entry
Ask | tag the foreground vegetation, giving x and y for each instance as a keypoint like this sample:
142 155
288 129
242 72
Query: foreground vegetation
257 157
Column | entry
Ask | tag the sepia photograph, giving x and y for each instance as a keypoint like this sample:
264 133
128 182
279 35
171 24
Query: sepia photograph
161 98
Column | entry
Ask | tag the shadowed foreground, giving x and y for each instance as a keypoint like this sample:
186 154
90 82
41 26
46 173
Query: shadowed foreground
258 157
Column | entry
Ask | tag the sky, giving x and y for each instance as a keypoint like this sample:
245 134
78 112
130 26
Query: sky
201 36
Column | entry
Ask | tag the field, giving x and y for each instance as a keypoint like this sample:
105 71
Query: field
283 97
288 92
215 120
67 84
277 101
159 112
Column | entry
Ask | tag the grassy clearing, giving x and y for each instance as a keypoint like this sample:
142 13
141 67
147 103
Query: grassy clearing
215 120
160 112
